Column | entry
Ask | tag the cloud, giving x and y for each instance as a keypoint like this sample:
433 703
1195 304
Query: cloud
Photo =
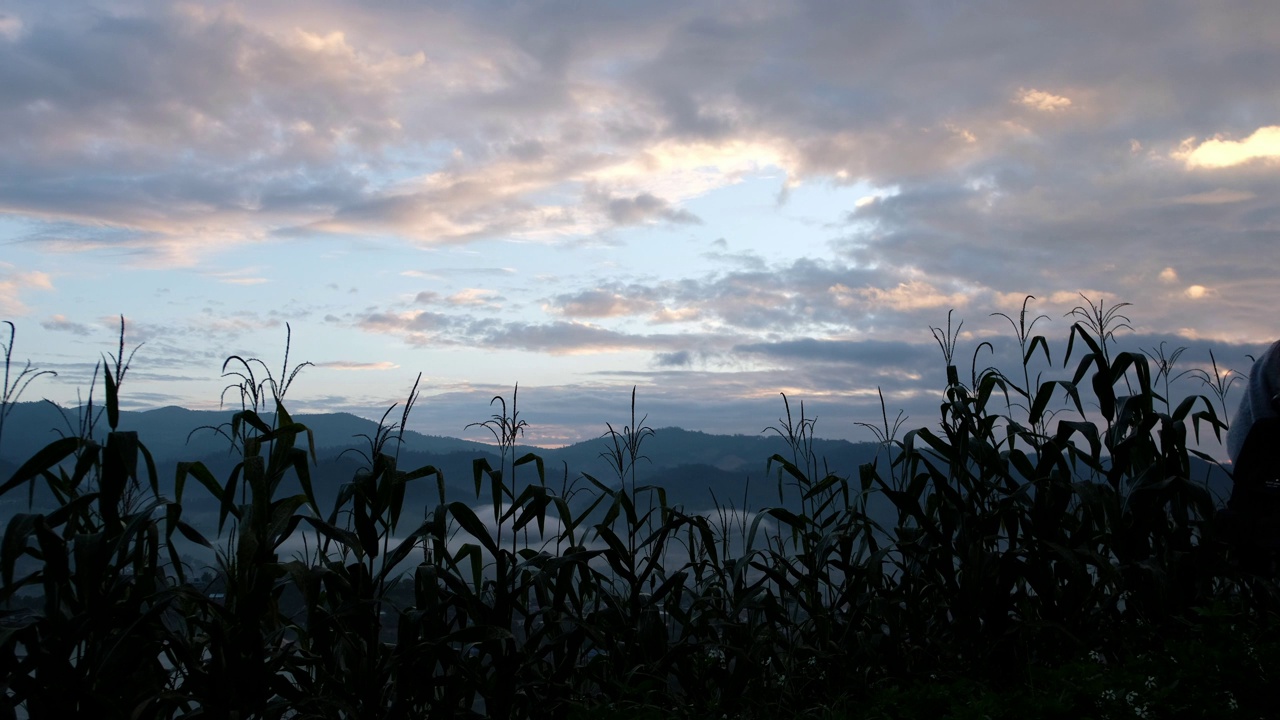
13 282
240 125
910 295
358 366
169 124
574 338
682 358
972 156
60 323
874 355
1262 144
453 271
1043 101
417 325
600 303
1216 197
643 208
473 297
10 27
675 315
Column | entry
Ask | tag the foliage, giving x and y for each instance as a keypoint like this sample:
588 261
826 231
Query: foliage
1039 558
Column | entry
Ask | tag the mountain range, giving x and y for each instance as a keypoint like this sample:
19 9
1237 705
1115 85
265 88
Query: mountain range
697 470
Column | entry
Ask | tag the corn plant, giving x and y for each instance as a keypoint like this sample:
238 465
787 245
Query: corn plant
1049 515
15 384
106 565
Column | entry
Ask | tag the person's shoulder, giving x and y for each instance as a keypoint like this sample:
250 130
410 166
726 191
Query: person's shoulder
1271 355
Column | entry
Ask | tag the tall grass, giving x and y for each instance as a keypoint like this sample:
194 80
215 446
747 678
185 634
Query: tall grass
1025 533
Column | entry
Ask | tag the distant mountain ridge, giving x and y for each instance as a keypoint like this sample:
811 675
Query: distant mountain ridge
177 433
174 431
695 468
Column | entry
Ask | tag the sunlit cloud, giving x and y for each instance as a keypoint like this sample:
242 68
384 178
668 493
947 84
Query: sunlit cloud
14 282
471 297
1218 152
597 304
684 170
910 295
1043 101
675 315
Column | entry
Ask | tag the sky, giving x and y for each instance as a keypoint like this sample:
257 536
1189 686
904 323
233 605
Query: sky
712 202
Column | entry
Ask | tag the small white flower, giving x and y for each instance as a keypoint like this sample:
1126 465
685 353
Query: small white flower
1151 682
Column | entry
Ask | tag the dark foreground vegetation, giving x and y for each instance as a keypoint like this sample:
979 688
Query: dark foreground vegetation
1050 555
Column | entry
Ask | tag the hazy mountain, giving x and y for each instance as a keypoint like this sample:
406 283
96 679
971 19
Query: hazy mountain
690 465
696 470
172 431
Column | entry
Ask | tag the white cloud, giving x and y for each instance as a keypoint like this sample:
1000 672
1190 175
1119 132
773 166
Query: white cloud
1043 101
683 170
1263 144
474 297
676 315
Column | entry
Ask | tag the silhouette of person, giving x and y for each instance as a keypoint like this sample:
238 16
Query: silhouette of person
1249 522
1260 400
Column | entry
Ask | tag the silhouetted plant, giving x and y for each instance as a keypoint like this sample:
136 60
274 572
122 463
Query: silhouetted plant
1003 548
15 384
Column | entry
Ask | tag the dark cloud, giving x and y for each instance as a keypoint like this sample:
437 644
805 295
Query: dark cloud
603 303
900 356
682 358
645 207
